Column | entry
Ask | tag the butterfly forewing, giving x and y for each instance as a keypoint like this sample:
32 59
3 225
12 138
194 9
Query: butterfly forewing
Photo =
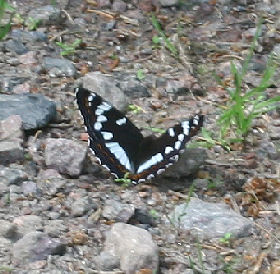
121 147
112 137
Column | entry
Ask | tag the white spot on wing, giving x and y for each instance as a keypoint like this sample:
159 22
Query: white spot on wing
119 153
107 135
160 171
111 144
181 137
150 176
171 132
99 112
158 157
97 126
104 106
151 162
195 120
90 98
121 121
178 145
186 127
101 119
168 150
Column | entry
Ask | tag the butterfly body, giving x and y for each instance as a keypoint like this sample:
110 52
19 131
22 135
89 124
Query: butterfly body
120 146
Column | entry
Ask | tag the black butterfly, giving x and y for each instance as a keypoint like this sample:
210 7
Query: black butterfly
120 146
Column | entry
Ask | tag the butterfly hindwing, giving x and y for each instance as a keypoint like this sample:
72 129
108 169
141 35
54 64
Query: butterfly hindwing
158 153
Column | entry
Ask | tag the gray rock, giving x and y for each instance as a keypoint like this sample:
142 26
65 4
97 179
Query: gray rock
29 187
10 176
132 87
4 188
35 110
8 230
57 67
30 58
188 163
28 223
10 152
5 251
210 220
275 133
119 5
8 82
55 228
28 36
35 246
107 87
11 149
267 149
51 186
80 207
107 261
65 155
134 246
48 15
15 46
114 210
169 3
108 25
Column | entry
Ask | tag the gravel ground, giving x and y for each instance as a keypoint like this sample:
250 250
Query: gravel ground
60 212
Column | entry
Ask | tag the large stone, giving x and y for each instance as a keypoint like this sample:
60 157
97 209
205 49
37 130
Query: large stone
11 149
188 163
107 87
35 246
65 155
10 176
57 67
134 246
210 220
35 110
46 15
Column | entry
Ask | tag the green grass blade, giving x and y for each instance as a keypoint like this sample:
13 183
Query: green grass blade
4 30
167 42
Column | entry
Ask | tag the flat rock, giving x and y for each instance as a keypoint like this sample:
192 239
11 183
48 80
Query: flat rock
9 82
107 87
115 210
35 246
188 163
133 246
28 223
15 46
107 261
211 220
11 149
10 152
9 176
46 15
28 36
7 229
66 156
35 110
132 86
57 67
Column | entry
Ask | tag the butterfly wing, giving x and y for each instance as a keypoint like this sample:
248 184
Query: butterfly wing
112 137
155 155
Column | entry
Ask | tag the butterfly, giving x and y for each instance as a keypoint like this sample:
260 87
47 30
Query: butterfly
120 146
